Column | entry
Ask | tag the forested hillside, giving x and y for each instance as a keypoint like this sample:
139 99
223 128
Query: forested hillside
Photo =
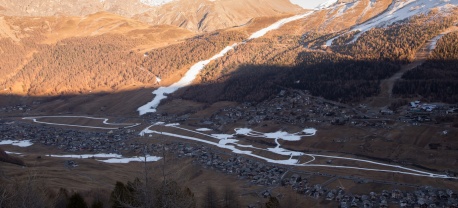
106 62
347 71
396 43
437 78
112 53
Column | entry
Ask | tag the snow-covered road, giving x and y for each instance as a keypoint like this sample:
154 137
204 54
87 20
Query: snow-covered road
227 141
104 121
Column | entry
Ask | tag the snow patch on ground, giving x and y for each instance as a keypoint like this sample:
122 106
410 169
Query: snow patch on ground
155 2
162 92
307 4
112 158
225 141
19 143
222 136
326 4
132 159
276 135
368 7
13 153
310 131
203 129
86 156
433 43
277 25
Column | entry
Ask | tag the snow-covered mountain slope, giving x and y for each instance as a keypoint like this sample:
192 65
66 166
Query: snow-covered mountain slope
340 16
312 4
326 4
155 2
400 10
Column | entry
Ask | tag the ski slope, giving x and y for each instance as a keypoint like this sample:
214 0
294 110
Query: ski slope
399 10
162 92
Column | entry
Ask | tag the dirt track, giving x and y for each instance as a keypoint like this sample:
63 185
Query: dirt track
386 86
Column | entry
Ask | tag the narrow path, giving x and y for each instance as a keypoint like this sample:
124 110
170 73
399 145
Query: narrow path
104 122
329 181
387 85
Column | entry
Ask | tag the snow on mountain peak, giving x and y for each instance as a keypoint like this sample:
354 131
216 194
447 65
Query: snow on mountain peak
326 4
398 11
312 4
155 2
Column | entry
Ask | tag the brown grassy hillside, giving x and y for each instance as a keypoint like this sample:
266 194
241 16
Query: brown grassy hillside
9 159
195 15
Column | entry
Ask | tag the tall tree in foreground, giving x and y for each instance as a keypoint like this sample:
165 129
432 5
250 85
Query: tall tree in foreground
230 198
76 201
210 198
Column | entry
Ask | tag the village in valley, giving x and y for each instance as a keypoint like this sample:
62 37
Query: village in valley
288 108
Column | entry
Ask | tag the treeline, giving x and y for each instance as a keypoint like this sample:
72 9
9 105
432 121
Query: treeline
30 192
167 194
437 78
396 43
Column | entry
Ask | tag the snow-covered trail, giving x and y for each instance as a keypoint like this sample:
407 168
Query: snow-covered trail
232 144
191 74
104 121
398 11
433 42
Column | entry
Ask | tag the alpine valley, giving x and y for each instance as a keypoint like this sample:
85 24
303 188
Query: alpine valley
228 103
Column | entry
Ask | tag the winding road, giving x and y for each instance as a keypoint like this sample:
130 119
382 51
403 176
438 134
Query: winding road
104 121
232 144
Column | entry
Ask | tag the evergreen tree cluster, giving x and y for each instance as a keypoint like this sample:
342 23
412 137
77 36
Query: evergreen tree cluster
437 78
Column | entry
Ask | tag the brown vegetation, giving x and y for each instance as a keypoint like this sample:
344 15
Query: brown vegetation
396 43
107 61
9 159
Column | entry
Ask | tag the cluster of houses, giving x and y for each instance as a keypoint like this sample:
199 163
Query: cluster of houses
263 173
423 106
289 106
15 109
418 112
424 196
67 140
257 172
